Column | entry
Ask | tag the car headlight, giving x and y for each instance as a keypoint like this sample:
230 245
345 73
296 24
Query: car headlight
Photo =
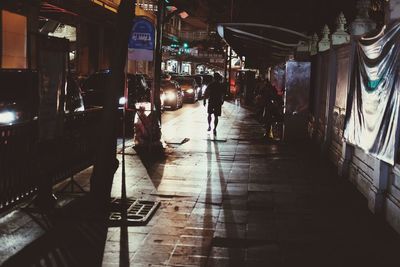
190 91
122 101
170 96
7 117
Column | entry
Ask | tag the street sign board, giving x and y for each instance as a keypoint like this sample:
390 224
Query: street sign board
141 41
109 4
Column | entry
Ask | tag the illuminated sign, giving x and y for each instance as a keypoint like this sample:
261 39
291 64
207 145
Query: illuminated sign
109 4
141 41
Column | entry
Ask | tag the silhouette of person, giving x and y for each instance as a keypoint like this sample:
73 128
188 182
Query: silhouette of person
215 95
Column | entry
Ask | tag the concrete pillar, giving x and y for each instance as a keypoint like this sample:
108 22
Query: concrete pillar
193 68
325 43
82 49
347 149
377 193
94 46
314 44
340 36
303 47
362 24
330 100
345 160
33 29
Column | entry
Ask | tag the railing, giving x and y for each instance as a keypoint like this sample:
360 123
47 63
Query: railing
19 156
77 147
17 162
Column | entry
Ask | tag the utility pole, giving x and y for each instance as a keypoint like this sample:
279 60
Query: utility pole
106 162
230 56
158 59
226 71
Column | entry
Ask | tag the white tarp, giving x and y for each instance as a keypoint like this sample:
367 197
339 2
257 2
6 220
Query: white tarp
372 119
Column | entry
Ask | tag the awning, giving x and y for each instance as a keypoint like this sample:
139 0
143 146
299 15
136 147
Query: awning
262 45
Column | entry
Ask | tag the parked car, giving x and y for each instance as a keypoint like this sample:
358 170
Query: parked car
189 88
94 88
199 84
172 96
19 96
138 92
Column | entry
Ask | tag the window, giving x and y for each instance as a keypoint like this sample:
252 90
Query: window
14 40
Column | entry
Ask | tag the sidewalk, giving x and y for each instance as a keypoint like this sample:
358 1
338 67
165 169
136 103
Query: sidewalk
230 200
236 200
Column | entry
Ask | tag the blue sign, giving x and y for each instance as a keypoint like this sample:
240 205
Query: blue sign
141 41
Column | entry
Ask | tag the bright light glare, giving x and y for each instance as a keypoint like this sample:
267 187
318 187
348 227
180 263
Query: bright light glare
7 117
184 15
170 96
122 101
190 91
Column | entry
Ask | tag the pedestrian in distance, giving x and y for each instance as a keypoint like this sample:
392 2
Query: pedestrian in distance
215 94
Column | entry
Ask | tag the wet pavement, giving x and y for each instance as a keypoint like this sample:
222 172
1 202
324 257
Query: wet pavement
233 199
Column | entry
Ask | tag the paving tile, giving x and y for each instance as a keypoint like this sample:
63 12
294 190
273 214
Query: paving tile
198 241
233 216
230 232
236 254
224 262
152 254
159 239
181 250
265 231
198 231
149 258
267 251
235 203
188 260
162 230
115 246
243 202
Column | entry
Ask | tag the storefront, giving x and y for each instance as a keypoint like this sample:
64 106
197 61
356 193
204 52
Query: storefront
186 68
171 65
14 38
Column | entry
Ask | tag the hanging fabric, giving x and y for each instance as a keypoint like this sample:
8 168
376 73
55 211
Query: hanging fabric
372 116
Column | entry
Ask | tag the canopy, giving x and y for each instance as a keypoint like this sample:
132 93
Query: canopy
261 44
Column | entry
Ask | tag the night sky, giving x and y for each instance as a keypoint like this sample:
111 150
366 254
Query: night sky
307 16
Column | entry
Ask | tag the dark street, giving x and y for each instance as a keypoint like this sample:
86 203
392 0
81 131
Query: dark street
230 200
237 133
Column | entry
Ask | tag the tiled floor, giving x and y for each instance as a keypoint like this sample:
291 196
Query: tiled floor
235 200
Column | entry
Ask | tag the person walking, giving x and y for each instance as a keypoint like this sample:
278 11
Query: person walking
215 95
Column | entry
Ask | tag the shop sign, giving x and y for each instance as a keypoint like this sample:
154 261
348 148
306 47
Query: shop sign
141 41
109 4
217 60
